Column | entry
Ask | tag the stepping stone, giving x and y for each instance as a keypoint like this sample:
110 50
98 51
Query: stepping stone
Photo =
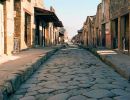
119 92
28 98
62 96
45 90
79 97
125 97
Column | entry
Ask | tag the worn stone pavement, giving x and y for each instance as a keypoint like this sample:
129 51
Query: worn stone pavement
74 74
16 68
119 61
12 64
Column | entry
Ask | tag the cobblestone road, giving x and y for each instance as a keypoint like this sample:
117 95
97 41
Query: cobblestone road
74 74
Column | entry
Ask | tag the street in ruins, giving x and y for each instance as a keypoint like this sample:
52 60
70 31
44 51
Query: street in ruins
73 73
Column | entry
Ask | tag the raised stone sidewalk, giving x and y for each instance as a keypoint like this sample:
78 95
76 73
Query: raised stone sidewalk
117 60
16 69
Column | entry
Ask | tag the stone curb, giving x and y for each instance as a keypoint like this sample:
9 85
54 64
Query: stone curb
118 69
14 81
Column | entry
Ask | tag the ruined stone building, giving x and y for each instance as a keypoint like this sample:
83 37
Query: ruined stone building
25 24
6 26
85 34
120 24
106 35
89 37
50 27
62 34
98 25
80 36
111 26
66 37
78 39
96 29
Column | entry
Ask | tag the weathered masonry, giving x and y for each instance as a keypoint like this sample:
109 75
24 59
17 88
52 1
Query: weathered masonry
120 24
106 35
22 27
111 26
98 25
23 24
6 26
47 27
88 32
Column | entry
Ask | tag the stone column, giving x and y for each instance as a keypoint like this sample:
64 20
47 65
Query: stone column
9 26
119 33
122 33
54 35
85 43
112 33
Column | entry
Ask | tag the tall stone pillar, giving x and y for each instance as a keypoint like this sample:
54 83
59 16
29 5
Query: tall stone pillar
47 36
9 26
122 32
112 33
119 33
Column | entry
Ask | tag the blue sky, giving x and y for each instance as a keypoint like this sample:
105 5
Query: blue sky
73 13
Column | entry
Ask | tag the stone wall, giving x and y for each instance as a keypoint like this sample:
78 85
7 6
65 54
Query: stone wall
39 3
105 11
90 30
19 26
98 24
26 7
84 34
22 9
106 35
119 14
118 7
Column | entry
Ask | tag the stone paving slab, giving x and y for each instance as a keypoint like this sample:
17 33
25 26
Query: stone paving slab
15 69
119 61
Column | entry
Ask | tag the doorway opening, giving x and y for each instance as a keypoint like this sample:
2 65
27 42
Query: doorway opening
115 33
27 29
125 35
103 35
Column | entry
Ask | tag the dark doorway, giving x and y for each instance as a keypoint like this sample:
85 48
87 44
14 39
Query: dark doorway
97 35
37 39
126 33
27 29
115 33
103 35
